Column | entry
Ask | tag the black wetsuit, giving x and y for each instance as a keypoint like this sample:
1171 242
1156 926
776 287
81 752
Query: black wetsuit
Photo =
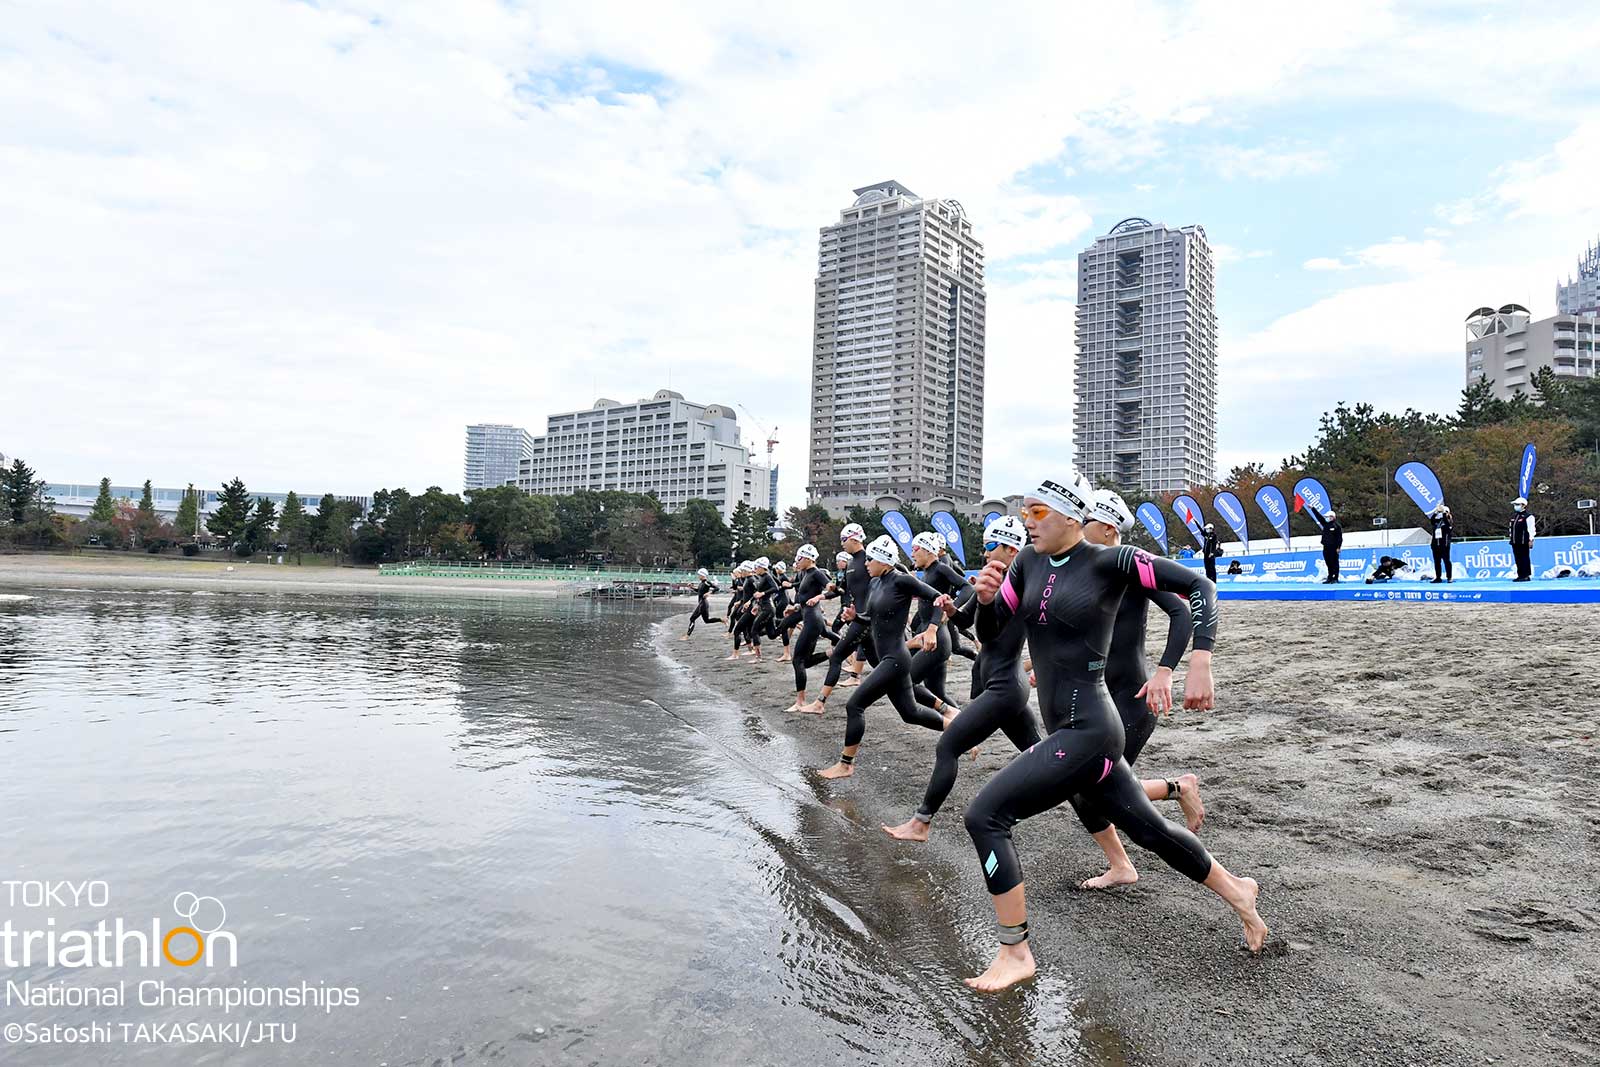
999 702
736 598
1127 671
858 632
813 582
1068 605
842 594
889 603
702 609
764 590
1443 534
928 666
775 604
744 629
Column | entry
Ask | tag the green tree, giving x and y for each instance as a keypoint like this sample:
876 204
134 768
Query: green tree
233 512
368 544
105 508
292 524
146 523
508 522
437 509
454 540
749 528
258 530
187 522
20 492
703 536
331 528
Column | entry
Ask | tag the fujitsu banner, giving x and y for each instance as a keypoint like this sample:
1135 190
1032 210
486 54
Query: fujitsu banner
1530 456
946 524
1308 494
1150 515
1227 505
1421 485
1269 498
1190 514
899 529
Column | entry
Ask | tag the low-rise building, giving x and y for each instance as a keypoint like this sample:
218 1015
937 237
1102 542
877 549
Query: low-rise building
1508 347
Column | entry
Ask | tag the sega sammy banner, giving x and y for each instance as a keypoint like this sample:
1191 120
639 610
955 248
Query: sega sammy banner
1530 457
1269 498
1150 515
990 517
1309 493
1421 485
1471 560
946 524
1227 505
899 529
1189 512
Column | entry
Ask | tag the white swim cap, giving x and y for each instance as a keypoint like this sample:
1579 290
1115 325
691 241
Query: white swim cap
1521 500
703 573
852 532
883 550
1112 510
805 552
763 561
780 566
1070 497
929 541
1006 530
843 557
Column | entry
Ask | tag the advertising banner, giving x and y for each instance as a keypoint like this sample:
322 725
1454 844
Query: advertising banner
1269 498
1227 505
946 524
1190 515
899 529
1421 485
1470 559
1308 494
1150 515
1530 457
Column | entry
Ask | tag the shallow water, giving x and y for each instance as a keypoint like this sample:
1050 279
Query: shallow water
516 831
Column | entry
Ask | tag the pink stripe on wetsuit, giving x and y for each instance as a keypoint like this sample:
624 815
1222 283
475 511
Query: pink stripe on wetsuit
1008 593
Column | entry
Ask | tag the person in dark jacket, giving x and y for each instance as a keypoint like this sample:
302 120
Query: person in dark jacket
1521 534
1443 533
1332 541
1212 549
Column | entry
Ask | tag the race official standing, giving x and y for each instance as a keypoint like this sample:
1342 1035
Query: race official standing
1332 542
1443 534
1521 534
1212 549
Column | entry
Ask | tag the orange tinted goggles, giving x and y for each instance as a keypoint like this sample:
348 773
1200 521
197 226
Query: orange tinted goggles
1037 512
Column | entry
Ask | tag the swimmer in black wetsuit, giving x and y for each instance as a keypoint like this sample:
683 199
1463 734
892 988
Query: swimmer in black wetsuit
999 694
858 633
810 590
931 643
1066 592
739 609
763 589
777 607
1138 694
889 604
702 610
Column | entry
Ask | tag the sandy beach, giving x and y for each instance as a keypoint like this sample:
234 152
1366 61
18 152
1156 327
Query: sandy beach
1411 785
138 571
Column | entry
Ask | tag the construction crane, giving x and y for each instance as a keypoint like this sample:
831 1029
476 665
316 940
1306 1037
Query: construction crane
772 438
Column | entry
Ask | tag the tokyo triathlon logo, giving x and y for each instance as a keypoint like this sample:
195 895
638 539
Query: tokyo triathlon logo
202 917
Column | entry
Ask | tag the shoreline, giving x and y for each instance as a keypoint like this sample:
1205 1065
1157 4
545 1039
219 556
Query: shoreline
1410 796
132 571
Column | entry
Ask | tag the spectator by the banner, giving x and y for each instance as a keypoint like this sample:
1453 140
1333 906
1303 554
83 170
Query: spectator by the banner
1443 534
1521 534
1235 568
1213 549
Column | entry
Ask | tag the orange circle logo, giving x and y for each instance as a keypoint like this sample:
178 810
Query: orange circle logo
199 945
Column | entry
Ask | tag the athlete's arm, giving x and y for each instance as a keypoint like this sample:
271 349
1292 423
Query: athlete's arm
1158 690
1138 568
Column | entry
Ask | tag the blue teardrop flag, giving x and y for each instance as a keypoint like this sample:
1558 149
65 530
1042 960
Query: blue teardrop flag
1232 513
1150 515
1190 514
1308 494
899 529
1530 456
1269 498
1421 485
946 524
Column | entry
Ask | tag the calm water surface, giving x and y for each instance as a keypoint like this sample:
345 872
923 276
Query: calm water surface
522 835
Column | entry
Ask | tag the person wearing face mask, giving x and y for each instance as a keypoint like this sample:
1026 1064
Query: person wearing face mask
1332 542
1443 533
1212 549
1522 531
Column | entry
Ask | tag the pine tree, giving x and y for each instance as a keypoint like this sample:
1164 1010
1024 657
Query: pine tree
188 520
258 530
19 492
232 515
105 509
145 521
292 523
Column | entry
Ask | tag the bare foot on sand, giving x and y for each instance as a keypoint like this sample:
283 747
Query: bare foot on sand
796 706
1014 964
910 830
1194 809
813 708
845 770
1255 931
1113 877
731 655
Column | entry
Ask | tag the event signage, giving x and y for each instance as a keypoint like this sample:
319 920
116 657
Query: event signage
1309 493
1232 513
946 524
990 517
1530 456
1269 498
1150 515
899 529
1470 559
1189 514
1421 485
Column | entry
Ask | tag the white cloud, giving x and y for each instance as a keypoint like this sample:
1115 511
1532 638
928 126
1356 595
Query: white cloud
1396 254
308 243
1268 164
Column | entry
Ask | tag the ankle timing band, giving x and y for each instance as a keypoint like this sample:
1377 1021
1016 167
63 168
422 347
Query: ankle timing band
1173 789
846 760
1014 935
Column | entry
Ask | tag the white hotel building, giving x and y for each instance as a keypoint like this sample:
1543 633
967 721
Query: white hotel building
665 445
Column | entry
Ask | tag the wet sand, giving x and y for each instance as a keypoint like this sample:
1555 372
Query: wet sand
1412 785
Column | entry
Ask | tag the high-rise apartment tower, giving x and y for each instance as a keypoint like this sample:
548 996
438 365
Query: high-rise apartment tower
1146 410
494 451
897 353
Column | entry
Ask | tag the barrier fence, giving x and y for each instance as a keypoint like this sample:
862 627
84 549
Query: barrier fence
527 572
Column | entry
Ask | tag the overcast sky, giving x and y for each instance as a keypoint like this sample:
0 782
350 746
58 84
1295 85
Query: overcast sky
307 243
